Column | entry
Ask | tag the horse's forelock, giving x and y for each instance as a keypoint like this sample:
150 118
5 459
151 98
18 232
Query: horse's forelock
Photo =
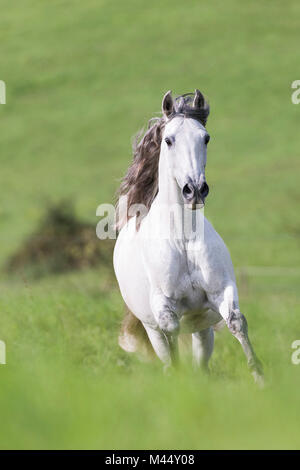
183 105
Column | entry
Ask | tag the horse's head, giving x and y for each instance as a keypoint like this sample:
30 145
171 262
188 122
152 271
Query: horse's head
184 145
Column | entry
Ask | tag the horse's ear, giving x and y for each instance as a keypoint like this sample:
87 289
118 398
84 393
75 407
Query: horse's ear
167 104
199 101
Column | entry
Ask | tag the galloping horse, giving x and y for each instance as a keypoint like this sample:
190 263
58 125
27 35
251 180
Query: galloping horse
174 281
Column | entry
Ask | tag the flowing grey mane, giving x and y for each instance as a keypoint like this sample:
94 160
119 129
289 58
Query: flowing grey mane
140 183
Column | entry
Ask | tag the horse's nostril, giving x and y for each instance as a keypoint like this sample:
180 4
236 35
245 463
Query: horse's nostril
204 190
187 191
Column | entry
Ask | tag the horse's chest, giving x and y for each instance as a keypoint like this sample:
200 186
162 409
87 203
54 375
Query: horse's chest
182 273
185 285
191 293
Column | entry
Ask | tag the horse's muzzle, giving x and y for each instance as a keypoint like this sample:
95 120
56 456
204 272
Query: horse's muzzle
194 195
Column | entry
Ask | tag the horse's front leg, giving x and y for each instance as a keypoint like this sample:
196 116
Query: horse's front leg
227 305
160 345
164 311
238 326
203 345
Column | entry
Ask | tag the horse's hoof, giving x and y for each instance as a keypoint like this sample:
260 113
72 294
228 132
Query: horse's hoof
259 379
167 369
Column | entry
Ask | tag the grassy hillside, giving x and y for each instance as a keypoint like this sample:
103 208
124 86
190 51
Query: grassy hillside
82 78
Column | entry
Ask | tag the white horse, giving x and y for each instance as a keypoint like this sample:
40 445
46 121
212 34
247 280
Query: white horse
173 284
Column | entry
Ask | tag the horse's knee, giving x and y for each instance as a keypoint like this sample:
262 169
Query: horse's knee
237 323
168 322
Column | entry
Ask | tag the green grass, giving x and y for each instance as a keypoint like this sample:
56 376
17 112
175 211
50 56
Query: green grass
81 78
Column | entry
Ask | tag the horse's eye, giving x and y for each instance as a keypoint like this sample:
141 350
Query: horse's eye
207 139
168 141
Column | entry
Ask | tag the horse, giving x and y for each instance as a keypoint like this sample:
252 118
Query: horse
173 284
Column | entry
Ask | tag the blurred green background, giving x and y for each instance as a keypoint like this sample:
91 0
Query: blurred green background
82 78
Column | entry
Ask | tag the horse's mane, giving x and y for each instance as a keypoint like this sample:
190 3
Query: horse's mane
140 184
